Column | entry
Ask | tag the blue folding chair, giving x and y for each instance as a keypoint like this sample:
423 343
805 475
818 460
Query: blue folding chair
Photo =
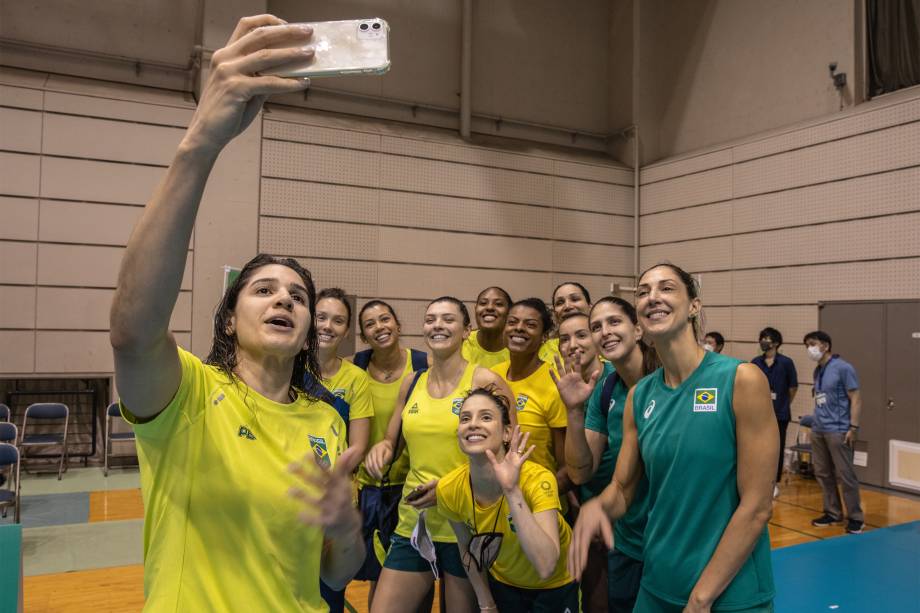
9 463
48 411
111 413
4 412
8 433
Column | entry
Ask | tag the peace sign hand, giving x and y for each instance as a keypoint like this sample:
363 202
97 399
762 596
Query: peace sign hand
327 496
573 389
508 470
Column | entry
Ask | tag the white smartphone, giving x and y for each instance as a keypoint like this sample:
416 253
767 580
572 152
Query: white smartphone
353 47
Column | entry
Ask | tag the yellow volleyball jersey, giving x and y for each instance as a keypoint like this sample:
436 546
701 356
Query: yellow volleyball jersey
385 396
351 384
473 352
539 410
220 531
538 485
429 426
549 350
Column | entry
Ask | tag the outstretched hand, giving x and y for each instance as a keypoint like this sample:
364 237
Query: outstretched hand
236 90
326 495
592 522
573 389
508 470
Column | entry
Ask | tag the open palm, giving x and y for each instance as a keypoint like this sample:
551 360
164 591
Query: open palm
508 469
573 389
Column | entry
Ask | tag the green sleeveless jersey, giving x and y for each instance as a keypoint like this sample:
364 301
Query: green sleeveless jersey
628 531
688 446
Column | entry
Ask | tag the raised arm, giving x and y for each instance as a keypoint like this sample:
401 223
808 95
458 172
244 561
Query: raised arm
757 441
582 448
147 367
596 514
383 453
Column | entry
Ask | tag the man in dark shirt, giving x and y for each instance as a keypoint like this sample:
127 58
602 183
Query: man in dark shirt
784 383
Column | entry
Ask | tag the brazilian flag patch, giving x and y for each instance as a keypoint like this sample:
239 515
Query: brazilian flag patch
455 405
521 401
705 399
318 445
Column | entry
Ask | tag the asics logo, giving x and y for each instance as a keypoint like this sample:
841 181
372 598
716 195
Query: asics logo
649 409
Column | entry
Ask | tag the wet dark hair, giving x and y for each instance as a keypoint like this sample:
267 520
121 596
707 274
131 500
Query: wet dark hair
773 334
650 361
819 335
498 289
336 294
491 392
223 348
546 317
720 340
465 312
371 304
583 289
693 291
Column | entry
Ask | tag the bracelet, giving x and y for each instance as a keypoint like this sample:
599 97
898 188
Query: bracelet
490 607
852 427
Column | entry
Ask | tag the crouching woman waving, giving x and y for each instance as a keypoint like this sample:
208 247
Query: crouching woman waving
505 511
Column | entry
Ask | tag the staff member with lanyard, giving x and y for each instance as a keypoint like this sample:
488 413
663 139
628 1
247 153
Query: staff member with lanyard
838 405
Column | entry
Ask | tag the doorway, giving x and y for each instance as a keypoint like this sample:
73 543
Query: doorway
882 342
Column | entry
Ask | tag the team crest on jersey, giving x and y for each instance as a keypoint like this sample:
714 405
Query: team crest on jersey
318 445
613 401
246 433
413 409
522 401
455 405
648 410
338 392
704 399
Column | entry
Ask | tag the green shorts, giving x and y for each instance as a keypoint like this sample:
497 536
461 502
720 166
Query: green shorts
551 600
403 556
647 602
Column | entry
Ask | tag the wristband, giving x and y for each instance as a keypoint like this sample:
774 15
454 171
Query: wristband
852 427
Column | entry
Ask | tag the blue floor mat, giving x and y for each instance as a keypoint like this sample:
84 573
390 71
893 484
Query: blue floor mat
52 510
877 571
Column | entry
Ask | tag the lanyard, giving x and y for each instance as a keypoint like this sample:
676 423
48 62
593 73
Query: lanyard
819 373
473 499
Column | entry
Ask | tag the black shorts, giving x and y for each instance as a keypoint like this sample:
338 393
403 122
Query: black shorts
379 508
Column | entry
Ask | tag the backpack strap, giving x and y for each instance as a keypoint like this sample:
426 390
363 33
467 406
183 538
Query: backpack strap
362 359
419 360
418 373
607 392
319 391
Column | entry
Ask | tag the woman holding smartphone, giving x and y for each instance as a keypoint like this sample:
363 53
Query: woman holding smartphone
215 439
595 413
486 344
424 547
700 428
505 512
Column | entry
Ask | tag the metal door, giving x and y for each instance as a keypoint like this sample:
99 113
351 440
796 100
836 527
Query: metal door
902 374
858 333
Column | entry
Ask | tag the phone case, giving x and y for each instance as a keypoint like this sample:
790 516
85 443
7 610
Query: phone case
359 46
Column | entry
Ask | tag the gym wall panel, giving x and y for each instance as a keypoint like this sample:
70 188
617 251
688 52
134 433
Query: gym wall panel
683 224
866 239
286 198
592 227
464 215
20 97
20 218
419 213
86 266
78 179
707 254
718 319
20 130
117 141
17 263
17 306
819 212
593 196
98 224
687 190
67 308
60 351
19 174
884 193
23 359
173 114
467 249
